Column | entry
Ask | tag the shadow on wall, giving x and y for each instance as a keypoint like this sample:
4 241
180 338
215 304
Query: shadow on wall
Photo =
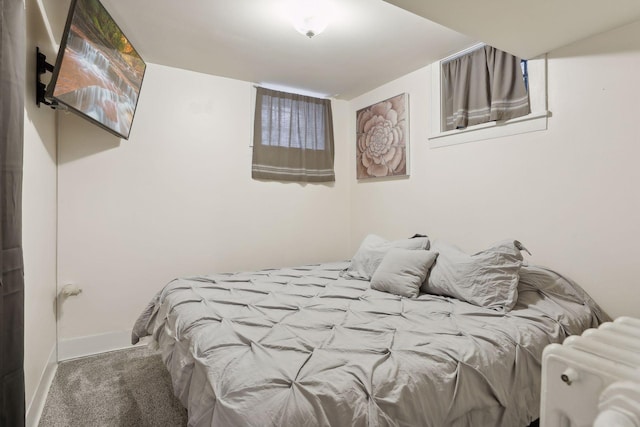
93 139
620 40
298 184
383 178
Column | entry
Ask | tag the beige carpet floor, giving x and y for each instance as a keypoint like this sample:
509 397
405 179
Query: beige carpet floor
121 388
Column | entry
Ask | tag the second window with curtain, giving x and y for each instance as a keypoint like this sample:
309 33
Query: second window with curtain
484 85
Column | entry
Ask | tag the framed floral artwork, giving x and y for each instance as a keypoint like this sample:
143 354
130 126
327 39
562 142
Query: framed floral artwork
382 135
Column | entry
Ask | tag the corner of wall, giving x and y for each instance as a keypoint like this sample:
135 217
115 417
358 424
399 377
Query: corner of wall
36 405
39 218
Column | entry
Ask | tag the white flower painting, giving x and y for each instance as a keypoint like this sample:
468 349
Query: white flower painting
382 135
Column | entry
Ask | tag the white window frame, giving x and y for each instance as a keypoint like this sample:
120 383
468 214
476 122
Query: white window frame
535 121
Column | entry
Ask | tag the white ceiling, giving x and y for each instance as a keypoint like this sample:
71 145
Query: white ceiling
367 43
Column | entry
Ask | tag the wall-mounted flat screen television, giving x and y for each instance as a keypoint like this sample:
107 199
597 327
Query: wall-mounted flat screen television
98 74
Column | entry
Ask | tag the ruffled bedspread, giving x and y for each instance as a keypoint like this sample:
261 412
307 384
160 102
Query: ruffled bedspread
306 347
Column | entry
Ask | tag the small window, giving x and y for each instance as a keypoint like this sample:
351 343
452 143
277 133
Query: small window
292 123
293 137
534 79
525 73
481 86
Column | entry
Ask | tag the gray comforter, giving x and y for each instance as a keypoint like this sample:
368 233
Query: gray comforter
306 347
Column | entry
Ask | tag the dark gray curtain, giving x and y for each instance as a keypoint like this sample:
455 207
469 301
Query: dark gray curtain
481 86
292 137
12 81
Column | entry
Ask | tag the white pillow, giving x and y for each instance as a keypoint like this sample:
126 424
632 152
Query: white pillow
488 278
373 249
402 271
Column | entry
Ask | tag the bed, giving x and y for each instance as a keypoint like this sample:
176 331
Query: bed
313 346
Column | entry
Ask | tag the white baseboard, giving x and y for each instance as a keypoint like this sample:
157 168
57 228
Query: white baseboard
72 349
34 410
93 344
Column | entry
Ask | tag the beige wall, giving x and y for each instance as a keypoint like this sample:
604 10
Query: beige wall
178 199
39 215
568 193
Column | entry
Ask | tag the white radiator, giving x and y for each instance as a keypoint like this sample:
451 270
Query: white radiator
593 379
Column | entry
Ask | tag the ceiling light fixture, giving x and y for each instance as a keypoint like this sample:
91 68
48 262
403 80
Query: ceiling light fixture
310 17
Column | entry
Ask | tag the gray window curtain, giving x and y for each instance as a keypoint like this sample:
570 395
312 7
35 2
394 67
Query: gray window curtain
292 138
482 86
12 81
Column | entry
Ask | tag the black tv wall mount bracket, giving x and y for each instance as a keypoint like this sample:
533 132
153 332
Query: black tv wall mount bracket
42 66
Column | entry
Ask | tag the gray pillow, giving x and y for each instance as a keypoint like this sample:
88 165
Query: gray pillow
373 249
402 271
488 279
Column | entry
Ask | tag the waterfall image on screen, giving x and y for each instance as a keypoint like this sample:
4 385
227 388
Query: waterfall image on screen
99 73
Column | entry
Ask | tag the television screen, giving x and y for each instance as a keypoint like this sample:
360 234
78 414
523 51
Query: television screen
98 73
